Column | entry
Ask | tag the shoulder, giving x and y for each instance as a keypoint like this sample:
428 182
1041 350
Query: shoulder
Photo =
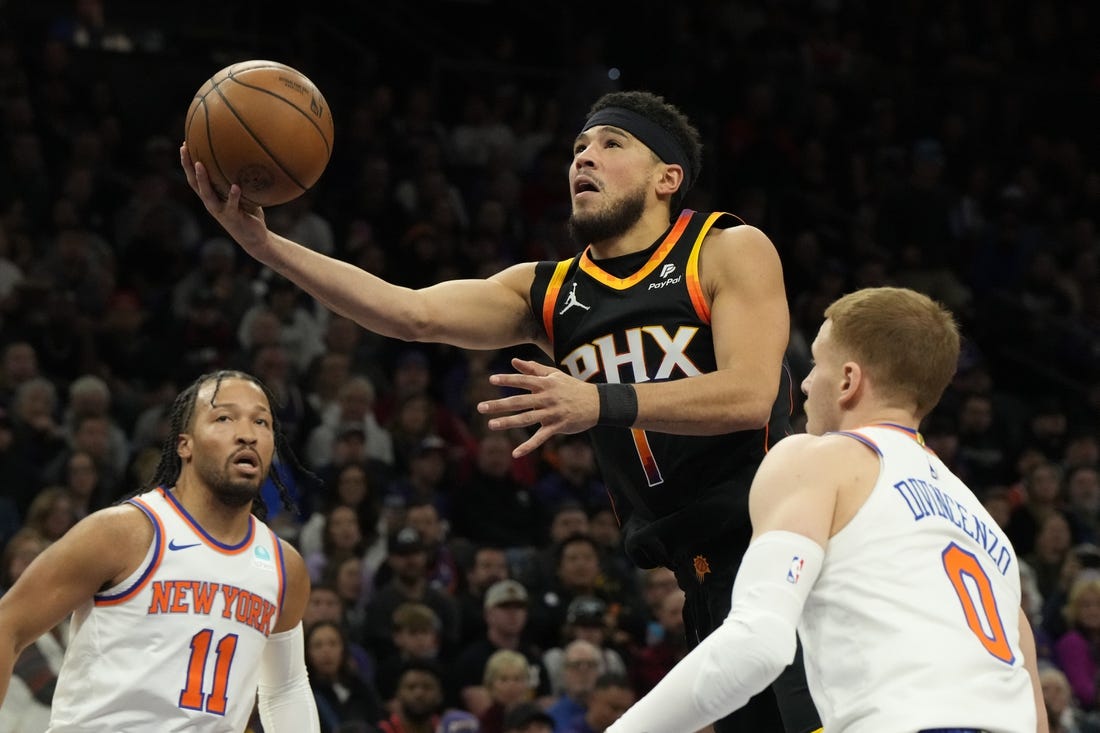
743 238
818 458
518 277
743 256
812 468
124 527
814 448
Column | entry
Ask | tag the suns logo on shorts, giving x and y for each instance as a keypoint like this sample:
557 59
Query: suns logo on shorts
702 567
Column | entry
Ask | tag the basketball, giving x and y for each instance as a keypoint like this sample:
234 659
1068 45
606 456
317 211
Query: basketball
264 126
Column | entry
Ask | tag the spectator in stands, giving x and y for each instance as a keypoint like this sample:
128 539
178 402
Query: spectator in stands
417 634
1076 650
589 619
408 563
505 619
487 566
509 683
582 664
609 699
342 696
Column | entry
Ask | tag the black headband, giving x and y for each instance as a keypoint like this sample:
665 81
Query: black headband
652 135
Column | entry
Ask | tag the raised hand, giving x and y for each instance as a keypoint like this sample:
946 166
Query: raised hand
245 225
556 402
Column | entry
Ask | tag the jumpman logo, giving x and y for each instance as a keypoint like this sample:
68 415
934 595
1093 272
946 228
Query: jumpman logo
571 300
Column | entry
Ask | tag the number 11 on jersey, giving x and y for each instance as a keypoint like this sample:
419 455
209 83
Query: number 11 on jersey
191 696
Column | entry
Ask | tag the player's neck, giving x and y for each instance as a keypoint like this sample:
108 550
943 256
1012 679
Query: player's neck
891 416
226 524
653 223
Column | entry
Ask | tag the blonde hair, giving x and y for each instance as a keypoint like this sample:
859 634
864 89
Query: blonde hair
906 341
1087 582
504 660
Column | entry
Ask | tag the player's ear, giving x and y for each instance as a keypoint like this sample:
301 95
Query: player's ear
851 382
184 446
672 177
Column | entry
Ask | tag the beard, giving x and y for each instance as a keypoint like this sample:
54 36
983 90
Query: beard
612 222
233 492
419 711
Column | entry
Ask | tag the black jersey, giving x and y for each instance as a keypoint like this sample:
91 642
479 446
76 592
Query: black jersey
649 325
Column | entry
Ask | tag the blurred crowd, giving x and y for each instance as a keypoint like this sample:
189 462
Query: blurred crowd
948 146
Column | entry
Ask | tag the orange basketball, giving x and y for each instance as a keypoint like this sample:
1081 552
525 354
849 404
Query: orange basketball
261 125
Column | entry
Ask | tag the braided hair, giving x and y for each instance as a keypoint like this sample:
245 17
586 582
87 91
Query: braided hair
167 472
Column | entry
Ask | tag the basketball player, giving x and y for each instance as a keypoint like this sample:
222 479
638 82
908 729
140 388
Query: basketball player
183 603
904 590
667 333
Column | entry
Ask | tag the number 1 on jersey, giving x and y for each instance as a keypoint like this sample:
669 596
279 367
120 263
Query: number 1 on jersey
645 455
192 696
959 565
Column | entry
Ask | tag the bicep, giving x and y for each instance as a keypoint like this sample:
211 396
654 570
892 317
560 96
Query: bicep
749 315
481 314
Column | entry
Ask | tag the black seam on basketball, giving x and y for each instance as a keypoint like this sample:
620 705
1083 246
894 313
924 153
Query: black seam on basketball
232 70
259 142
213 152
298 109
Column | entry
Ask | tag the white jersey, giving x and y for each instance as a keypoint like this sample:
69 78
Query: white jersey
177 645
913 622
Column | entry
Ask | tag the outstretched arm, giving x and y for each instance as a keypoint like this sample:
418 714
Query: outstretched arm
474 314
791 503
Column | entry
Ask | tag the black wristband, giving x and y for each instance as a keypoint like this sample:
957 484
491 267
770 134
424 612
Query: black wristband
618 405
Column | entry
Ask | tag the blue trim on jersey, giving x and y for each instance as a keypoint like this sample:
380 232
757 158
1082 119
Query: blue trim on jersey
282 571
866 441
914 433
152 563
198 527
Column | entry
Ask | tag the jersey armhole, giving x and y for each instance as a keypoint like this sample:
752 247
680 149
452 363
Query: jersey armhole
129 587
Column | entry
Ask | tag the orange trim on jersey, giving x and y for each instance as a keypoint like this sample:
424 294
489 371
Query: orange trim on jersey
645 454
593 270
694 287
550 301
147 574
206 539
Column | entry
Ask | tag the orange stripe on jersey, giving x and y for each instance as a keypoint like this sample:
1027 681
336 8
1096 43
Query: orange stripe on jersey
549 302
207 540
695 288
590 268
645 454
146 576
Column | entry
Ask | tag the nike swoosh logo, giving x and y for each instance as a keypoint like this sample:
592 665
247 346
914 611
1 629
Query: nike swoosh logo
173 546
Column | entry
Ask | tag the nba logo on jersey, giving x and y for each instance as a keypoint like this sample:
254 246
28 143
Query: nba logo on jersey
794 572
261 558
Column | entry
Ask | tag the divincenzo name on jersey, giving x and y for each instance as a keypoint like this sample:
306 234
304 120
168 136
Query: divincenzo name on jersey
927 500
